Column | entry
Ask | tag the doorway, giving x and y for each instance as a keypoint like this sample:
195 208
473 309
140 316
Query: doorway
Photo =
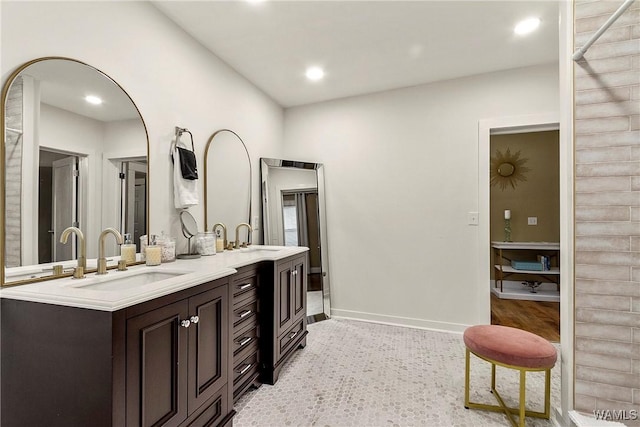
58 195
133 209
525 231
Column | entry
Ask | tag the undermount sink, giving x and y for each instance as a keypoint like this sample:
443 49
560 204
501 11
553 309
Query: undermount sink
116 280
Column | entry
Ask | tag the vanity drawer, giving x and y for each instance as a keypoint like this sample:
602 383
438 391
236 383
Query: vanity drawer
244 315
286 340
245 340
242 384
245 289
245 369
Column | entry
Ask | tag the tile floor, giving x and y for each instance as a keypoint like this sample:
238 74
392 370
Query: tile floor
314 303
363 374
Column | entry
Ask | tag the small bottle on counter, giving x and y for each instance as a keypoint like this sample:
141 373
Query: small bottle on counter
128 250
219 242
153 252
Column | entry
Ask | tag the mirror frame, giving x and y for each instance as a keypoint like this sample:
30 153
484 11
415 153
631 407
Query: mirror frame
5 90
265 164
206 168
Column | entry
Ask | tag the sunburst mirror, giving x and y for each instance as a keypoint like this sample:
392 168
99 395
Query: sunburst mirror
508 169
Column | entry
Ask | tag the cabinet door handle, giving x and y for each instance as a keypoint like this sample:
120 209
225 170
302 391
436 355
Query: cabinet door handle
245 286
245 369
244 341
194 319
185 323
246 313
293 335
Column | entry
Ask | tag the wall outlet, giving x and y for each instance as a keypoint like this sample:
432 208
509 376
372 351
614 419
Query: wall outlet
532 220
256 224
472 218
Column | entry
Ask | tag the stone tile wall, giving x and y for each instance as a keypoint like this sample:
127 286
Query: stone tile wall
13 174
607 186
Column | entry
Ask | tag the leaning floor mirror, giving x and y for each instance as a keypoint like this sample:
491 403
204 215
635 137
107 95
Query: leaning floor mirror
293 214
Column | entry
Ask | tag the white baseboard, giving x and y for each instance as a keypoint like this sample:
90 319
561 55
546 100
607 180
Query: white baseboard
406 322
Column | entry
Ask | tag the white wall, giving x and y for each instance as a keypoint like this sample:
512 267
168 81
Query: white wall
401 176
174 81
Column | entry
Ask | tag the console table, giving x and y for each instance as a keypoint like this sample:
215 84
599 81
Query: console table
551 249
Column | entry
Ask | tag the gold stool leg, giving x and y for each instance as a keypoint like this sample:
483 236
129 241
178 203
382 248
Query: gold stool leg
523 379
466 379
547 393
493 377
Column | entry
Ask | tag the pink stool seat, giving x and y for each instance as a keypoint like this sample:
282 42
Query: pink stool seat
510 346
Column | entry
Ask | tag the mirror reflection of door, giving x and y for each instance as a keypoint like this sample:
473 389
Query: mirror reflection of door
57 204
301 228
134 207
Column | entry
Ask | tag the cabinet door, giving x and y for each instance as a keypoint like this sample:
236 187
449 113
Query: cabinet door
208 342
299 299
284 298
157 367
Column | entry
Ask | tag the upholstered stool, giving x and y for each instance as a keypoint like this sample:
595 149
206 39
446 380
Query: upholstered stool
514 349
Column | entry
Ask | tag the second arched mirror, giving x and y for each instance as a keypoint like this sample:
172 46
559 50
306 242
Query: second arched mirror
227 183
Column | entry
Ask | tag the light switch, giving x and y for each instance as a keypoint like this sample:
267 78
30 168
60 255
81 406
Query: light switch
532 220
472 218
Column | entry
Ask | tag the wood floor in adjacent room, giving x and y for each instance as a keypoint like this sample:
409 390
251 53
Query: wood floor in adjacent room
539 317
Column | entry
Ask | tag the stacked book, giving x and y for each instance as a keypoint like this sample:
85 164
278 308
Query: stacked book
545 261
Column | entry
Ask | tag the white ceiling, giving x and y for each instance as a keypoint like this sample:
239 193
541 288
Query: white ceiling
365 46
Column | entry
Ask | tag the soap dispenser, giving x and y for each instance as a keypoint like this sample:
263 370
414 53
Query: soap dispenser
219 242
153 251
128 250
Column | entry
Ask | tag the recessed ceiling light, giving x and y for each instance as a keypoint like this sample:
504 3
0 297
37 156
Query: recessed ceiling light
314 73
526 26
92 99
255 1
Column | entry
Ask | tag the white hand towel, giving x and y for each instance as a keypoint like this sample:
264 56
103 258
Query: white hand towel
185 191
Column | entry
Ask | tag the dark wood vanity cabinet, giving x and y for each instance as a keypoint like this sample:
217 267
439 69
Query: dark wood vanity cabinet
176 360
164 362
284 314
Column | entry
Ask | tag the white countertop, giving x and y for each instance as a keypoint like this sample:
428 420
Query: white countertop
103 293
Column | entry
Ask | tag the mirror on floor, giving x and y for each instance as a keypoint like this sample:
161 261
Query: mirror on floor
293 214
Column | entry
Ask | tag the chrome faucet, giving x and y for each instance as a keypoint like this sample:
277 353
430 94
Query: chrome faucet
78 273
224 232
249 231
102 261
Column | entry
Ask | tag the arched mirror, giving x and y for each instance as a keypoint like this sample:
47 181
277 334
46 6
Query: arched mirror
294 214
227 183
75 152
